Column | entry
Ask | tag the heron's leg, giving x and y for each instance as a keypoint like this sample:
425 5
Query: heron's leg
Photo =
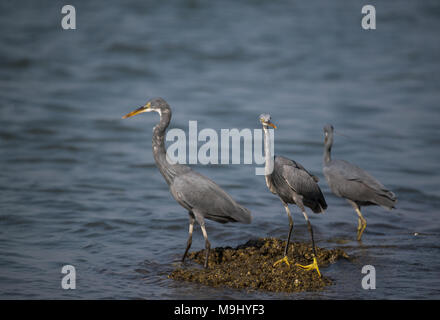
362 223
191 228
207 244
201 221
314 265
285 260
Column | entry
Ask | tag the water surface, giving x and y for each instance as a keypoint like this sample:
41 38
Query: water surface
79 185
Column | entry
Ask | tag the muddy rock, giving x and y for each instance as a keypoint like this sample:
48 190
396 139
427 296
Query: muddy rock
250 266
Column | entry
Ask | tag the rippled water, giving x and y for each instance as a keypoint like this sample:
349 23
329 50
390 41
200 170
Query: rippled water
78 185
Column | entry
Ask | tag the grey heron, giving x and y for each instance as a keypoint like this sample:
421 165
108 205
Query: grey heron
202 197
293 184
354 184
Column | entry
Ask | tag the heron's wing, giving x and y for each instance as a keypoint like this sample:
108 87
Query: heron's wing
282 161
301 182
350 181
292 167
196 192
352 172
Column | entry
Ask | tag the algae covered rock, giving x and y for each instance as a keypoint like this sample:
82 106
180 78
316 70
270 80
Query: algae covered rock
250 266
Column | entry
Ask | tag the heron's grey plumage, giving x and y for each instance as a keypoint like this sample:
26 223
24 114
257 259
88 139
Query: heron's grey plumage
196 192
348 181
202 197
293 184
289 178
351 182
190 189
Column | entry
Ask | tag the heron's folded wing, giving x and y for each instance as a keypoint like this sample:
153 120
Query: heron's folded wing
352 172
282 161
204 195
301 181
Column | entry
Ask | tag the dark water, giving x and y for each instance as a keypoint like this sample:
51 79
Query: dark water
79 185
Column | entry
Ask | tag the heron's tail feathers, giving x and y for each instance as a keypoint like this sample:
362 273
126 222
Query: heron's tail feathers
319 206
386 199
242 215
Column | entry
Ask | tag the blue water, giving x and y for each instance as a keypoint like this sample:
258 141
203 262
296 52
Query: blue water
78 185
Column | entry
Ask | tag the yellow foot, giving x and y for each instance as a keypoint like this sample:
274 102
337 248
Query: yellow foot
285 260
313 266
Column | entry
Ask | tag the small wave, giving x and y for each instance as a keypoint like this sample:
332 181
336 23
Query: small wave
18 63
4 135
128 48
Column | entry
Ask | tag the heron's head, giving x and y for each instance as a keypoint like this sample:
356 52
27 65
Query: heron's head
328 133
158 105
265 120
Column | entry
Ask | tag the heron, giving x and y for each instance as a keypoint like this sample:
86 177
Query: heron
293 184
354 184
200 196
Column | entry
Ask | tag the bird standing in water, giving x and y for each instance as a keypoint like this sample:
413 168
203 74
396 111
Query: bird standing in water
202 197
357 186
293 184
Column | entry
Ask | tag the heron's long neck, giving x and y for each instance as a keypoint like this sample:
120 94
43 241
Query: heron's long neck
159 151
268 155
328 150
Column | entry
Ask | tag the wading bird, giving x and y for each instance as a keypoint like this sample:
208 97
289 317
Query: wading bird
293 184
202 197
357 186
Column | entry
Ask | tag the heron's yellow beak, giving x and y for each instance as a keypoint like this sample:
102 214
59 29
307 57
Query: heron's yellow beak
272 125
267 123
137 111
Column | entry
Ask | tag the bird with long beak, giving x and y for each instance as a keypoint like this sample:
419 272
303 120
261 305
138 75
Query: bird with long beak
202 197
293 184
145 108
